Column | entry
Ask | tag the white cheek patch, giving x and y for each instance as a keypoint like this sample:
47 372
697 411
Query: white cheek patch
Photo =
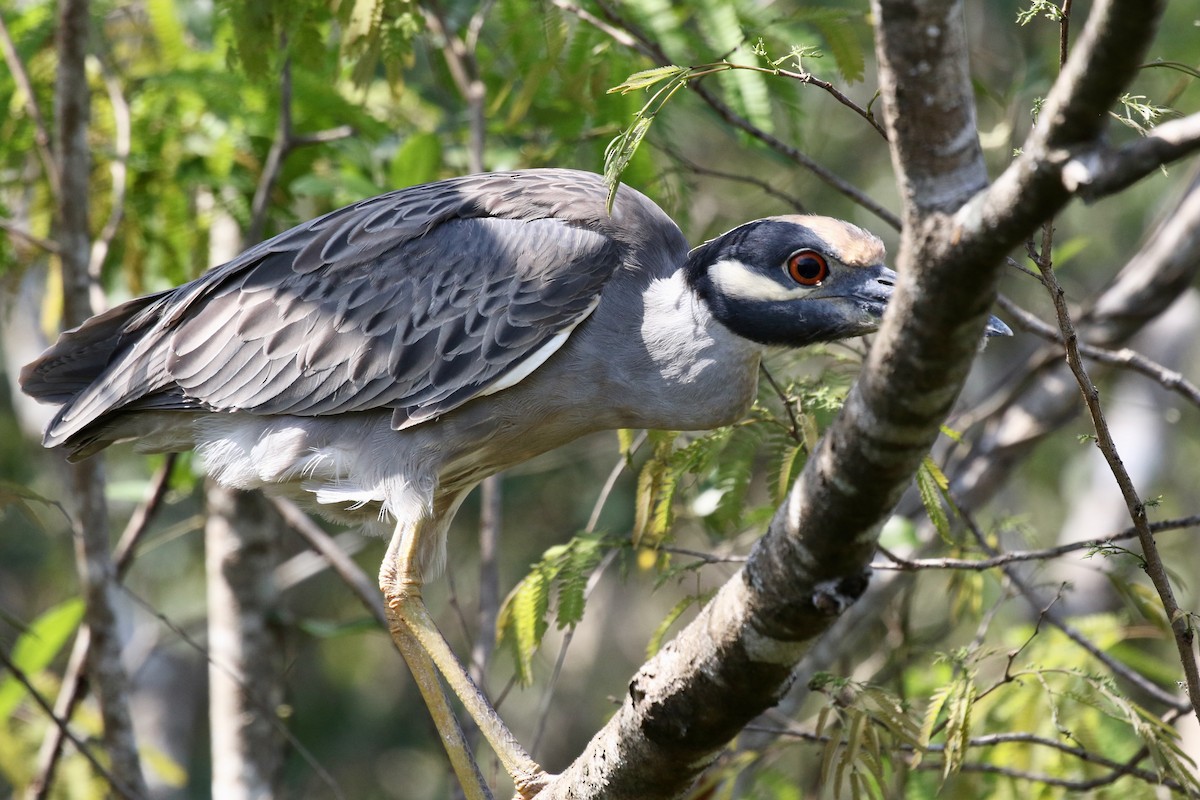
735 279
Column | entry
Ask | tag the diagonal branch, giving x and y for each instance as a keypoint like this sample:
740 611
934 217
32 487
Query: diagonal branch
1181 625
736 657
1105 170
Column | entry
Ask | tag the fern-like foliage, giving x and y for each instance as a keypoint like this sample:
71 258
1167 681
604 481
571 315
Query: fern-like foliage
563 571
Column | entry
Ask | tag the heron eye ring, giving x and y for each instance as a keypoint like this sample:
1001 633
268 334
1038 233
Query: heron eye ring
807 267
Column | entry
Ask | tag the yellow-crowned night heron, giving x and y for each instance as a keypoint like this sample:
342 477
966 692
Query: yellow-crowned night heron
385 358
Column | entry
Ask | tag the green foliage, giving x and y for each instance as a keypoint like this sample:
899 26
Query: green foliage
522 623
1039 8
37 647
377 33
951 705
865 730
933 485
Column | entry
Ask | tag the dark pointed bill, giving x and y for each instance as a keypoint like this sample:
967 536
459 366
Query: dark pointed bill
996 327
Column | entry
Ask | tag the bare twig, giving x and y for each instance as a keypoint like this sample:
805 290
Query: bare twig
41 131
1013 557
60 723
280 146
363 587
626 33
16 230
1155 569
1130 359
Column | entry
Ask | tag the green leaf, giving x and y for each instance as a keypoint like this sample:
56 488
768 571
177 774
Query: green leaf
583 554
418 161
37 647
931 499
655 492
843 44
647 78
521 623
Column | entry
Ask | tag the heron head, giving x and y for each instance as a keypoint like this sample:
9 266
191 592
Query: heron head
797 280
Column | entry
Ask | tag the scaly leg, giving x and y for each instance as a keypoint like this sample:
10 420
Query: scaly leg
423 647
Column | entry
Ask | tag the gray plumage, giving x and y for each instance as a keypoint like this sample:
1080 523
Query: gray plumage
387 356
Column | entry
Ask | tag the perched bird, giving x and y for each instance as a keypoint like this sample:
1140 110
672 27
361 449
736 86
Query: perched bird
383 359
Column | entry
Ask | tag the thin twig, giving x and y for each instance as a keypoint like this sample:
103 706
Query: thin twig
13 229
1155 569
1125 357
264 708
64 729
345 567
41 135
280 146
624 32
896 562
691 167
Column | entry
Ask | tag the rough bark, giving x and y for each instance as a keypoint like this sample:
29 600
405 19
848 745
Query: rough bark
86 479
735 659
245 653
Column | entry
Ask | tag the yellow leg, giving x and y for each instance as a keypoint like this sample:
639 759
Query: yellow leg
424 648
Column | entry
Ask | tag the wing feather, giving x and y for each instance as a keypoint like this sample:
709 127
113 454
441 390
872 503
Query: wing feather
415 301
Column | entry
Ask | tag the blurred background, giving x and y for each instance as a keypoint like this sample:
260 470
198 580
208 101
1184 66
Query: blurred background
187 100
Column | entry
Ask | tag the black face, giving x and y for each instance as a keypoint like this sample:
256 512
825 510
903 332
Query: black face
783 282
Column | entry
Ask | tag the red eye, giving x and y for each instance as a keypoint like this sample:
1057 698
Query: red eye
807 267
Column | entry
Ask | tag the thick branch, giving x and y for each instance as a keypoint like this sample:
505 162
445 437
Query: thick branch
736 657
1102 63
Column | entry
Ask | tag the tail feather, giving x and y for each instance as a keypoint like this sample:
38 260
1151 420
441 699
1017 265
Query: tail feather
88 371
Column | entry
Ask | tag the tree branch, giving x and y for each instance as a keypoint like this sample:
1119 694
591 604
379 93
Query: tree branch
1106 170
624 32
810 565
1180 623
96 572
1169 379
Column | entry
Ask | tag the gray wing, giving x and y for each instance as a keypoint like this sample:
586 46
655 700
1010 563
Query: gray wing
418 301
420 328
